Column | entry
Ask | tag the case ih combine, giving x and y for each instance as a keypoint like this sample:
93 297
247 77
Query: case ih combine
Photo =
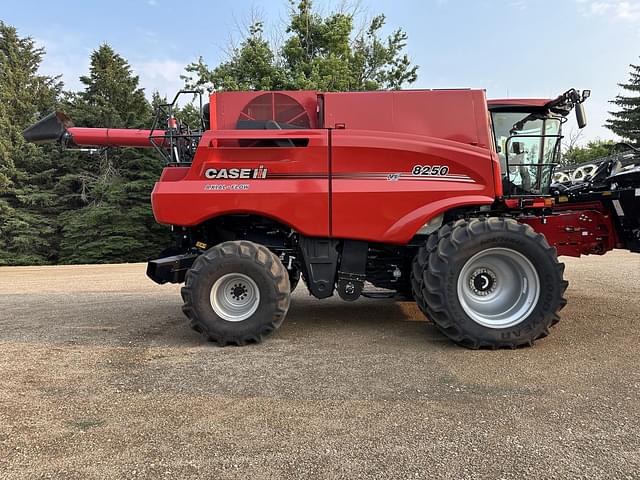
436 195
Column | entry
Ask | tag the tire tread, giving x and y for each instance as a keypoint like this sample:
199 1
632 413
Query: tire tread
260 255
429 267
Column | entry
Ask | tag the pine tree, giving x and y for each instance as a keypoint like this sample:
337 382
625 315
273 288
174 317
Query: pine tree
626 121
28 202
111 97
115 223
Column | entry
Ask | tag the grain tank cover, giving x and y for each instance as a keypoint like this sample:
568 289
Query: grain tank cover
457 115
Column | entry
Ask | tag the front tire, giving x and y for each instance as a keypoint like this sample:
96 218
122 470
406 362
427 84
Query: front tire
419 263
491 283
236 293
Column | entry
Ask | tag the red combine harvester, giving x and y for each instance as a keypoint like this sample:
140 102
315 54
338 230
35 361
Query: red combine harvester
435 195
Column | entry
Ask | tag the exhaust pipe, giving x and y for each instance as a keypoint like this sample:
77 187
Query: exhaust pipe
51 129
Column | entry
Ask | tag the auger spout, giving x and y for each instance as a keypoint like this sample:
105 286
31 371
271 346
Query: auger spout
58 128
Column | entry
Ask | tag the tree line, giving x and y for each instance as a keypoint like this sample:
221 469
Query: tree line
60 206
64 206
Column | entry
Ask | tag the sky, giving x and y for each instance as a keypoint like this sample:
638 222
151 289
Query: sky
511 48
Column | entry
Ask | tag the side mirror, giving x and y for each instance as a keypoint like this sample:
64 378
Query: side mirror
586 94
581 116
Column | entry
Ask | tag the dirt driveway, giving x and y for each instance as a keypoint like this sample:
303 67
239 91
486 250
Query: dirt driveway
100 378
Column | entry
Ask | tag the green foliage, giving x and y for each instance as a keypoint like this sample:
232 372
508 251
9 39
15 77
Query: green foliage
63 206
319 53
252 67
190 114
595 149
66 206
117 226
626 121
114 222
28 173
111 97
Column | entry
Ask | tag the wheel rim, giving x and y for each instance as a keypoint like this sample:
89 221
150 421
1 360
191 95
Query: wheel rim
498 287
235 297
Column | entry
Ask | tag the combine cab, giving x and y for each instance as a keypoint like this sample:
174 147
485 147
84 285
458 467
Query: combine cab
437 196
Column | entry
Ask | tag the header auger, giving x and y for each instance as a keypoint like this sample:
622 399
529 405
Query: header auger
434 195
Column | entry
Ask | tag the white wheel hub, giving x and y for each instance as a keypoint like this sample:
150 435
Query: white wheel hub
498 287
235 297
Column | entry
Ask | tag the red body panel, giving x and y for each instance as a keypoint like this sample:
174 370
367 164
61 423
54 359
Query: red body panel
375 195
295 192
355 178
457 115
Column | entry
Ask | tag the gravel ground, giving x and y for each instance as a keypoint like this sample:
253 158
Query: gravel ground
101 378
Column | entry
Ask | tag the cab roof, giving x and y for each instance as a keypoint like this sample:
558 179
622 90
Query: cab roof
518 102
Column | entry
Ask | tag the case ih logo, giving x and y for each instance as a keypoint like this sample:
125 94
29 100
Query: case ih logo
233 173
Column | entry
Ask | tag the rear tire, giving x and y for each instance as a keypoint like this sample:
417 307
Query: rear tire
490 283
236 293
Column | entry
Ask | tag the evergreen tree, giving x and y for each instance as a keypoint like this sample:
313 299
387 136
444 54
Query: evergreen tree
115 223
626 121
321 53
111 97
28 173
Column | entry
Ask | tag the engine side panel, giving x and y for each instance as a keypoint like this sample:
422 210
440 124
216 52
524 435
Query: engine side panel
288 184
386 185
